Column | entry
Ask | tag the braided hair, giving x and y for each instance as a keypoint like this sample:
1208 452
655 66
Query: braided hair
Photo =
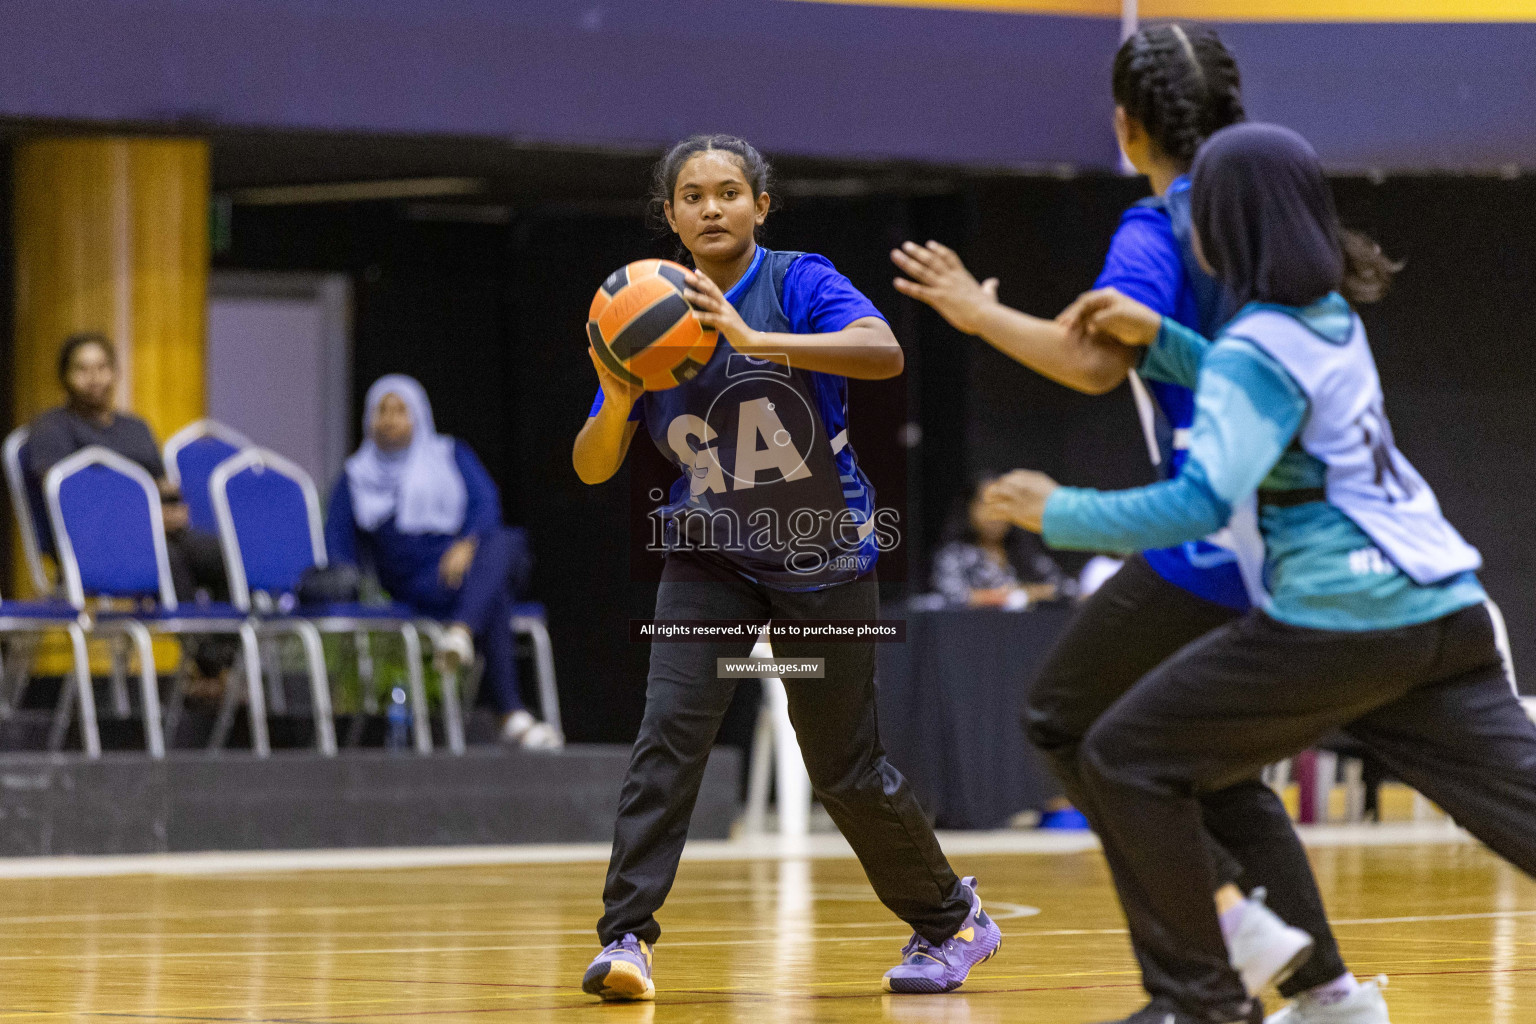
1180 84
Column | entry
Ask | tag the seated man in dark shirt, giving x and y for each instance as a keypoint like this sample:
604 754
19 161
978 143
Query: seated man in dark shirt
88 371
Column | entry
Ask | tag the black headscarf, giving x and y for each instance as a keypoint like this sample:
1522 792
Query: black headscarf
1264 216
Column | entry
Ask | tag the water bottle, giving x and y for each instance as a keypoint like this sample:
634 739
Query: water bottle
398 717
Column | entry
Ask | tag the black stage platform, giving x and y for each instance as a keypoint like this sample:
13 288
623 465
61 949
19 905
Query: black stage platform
126 803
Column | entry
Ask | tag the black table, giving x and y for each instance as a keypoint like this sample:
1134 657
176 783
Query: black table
949 702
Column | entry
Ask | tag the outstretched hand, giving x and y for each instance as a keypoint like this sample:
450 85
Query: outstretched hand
1019 498
1107 311
939 278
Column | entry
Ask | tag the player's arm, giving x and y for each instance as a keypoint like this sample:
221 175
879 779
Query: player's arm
1247 410
1173 352
603 442
865 349
1092 363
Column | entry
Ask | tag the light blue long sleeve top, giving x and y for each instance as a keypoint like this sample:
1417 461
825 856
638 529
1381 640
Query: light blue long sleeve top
1248 412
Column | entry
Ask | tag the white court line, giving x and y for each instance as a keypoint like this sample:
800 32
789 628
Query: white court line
814 847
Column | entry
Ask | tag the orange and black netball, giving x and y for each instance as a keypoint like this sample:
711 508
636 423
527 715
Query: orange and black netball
643 329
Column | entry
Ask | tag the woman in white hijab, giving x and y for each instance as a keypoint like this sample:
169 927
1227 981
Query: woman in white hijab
420 509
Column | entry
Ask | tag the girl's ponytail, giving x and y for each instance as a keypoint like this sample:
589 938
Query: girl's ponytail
1180 84
1368 271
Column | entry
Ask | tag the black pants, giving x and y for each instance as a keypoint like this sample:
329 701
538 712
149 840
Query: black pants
197 563
1132 624
1432 700
834 720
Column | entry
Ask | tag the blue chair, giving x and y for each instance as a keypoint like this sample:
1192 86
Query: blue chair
31 511
191 455
28 621
110 536
269 523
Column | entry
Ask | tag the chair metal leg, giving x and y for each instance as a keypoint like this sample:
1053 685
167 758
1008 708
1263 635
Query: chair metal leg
319 687
149 687
225 721
63 714
272 672
121 707
421 725
177 706
256 698
453 711
544 669
90 733
17 672
469 684
452 687
363 643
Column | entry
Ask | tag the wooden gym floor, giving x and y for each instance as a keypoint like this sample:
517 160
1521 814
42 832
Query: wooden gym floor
768 940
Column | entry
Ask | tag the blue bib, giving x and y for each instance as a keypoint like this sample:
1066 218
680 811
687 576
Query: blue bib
769 481
1200 567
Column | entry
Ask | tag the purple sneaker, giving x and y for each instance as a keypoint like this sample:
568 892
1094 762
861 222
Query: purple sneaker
927 968
621 972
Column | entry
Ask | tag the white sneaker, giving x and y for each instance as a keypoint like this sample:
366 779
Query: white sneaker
1264 949
517 726
542 736
455 649
1365 1005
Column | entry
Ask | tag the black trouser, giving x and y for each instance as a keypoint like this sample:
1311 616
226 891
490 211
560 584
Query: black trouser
1432 700
834 720
1133 623
197 562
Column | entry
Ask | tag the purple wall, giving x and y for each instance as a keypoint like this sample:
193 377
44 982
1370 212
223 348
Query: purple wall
803 78
1404 97
848 81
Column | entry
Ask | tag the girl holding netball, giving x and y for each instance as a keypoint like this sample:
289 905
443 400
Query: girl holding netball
1173 87
760 434
1376 622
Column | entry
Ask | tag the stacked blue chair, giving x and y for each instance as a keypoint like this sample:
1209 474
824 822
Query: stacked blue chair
268 513
28 621
191 455
107 527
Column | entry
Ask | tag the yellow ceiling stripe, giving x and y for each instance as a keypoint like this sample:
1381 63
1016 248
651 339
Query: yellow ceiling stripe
1446 11
1343 10
1093 8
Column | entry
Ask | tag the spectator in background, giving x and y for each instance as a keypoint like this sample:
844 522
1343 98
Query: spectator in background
987 563
88 371
420 510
